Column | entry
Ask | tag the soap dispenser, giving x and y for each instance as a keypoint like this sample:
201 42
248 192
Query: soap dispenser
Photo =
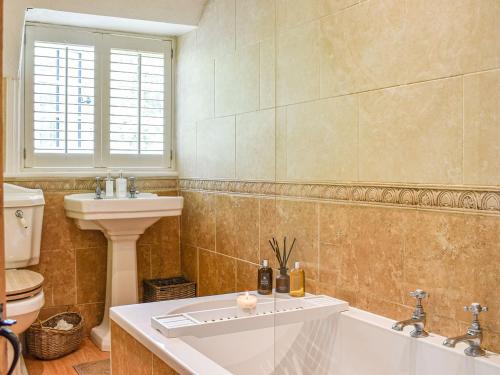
297 281
121 186
265 278
109 186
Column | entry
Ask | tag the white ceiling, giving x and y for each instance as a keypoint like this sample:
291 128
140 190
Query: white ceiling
106 22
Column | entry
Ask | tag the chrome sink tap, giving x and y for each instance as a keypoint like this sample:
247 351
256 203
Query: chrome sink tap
474 335
98 191
133 189
417 319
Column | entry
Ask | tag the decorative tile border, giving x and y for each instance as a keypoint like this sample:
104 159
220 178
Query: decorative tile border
450 198
150 184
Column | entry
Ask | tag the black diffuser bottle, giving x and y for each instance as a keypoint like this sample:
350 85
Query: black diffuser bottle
265 278
282 279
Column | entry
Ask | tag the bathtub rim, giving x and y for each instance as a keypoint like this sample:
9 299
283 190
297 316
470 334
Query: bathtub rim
182 357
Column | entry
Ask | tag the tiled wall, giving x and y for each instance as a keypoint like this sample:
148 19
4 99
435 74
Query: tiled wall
371 256
393 91
73 261
129 356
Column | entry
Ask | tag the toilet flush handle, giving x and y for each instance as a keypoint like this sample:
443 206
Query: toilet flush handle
20 216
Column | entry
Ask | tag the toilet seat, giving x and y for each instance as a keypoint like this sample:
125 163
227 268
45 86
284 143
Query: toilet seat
22 284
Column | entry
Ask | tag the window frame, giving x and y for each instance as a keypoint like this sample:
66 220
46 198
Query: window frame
101 159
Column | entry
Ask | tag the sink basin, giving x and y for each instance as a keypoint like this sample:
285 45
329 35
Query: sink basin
85 207
122 220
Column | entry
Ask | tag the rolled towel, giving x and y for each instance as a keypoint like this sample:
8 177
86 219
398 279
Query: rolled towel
63 325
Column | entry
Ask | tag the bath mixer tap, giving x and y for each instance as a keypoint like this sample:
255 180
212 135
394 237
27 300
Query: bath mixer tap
98 191
133 189
418 317
474 335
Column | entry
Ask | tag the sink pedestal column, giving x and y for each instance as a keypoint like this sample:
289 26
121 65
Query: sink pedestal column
121 283
121 275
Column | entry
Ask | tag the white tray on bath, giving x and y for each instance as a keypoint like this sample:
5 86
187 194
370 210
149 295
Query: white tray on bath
232 319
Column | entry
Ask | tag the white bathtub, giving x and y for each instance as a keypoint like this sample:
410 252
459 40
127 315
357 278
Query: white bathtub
354 342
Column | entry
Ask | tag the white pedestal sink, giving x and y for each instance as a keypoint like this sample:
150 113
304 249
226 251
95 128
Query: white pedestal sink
122 220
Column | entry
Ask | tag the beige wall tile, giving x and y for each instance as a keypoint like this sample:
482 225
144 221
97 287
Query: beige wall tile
465 38
215 148
237 81
332 6
237 227
217 273
267 73
255 137
128 355
292 12
267 229
186 148
246 276
161 368
378 44
298 64
216 30
56 225
189 262
280 142
412 133
90 275
198 220
299 219
255 21
321 140
165 257
143 267
482 129
194 86
361 48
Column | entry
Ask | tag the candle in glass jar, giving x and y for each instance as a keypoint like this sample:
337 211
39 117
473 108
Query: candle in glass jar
247 301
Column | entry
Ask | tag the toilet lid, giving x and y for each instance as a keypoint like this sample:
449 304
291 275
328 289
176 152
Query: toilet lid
22 284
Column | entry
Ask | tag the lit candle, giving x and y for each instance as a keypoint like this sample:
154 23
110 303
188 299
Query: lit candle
247 302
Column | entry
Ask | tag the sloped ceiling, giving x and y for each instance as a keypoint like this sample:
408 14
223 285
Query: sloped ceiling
177 12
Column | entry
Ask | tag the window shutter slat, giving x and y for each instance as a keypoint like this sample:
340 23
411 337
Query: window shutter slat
63 100
136 107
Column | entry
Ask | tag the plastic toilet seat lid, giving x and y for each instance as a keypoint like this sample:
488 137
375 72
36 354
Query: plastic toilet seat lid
22 284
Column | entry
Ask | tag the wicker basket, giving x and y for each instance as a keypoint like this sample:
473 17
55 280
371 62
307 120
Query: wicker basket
45 342
166 289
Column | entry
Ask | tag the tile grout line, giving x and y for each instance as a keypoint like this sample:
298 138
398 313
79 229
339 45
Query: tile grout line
401 85
463 130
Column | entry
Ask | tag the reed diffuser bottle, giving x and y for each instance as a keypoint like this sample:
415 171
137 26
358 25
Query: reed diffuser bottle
282 279
297 281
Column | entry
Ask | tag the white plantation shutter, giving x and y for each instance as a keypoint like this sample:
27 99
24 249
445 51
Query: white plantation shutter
63 98
96 100
136 102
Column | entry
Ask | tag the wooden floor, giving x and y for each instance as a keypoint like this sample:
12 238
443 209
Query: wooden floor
64 366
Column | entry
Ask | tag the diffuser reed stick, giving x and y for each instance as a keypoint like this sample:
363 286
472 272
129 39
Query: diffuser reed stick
282 257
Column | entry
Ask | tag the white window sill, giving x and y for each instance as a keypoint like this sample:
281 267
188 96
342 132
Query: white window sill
53 173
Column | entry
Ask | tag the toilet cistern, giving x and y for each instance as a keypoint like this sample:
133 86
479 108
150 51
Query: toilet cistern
122 220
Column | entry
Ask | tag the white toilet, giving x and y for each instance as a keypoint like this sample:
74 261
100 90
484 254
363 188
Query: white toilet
23 216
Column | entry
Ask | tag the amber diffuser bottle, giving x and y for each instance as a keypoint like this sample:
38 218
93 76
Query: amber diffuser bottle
265 278
297 281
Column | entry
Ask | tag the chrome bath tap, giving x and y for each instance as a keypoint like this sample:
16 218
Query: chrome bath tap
474 335
418 317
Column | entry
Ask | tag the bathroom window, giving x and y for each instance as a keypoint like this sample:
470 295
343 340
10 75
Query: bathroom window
96 100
